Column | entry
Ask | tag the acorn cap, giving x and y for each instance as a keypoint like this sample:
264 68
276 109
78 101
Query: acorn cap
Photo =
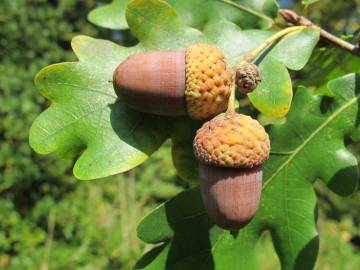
208 81
232 140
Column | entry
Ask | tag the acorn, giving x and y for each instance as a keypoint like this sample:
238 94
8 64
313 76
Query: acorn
194 82
231 149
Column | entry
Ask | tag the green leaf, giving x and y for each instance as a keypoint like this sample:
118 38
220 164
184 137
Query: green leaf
233 41
157 26
244 13
110 16
309 146
295 49
266 120
327 64
85 117
197 13
273 95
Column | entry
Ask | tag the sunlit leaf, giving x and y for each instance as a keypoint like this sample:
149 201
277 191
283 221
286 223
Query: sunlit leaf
197 13
85 117
110 16
273 95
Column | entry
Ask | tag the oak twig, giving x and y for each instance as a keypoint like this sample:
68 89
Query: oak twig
293 18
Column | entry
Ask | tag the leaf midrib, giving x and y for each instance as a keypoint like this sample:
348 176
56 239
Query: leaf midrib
312 135
84 88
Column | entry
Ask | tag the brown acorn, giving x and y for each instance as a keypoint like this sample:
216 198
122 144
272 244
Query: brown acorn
231 149
194 82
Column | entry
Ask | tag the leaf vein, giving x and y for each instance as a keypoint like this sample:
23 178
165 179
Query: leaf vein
72 122
83 88
312 135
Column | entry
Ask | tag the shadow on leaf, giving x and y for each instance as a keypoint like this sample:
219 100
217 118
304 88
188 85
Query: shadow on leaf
180 218
186 241
344 181
142 131
147 258
307 256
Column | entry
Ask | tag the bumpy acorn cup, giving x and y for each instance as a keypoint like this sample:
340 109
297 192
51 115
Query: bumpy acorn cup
194 82
231 148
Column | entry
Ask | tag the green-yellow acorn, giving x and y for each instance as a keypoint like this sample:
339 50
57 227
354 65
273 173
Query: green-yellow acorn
195 81
231 148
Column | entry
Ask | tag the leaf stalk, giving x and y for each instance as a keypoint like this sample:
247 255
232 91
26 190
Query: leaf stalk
253 54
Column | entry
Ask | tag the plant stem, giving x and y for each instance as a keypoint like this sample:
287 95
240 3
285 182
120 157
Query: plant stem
48 245
293 18
253 54
246 9
231 102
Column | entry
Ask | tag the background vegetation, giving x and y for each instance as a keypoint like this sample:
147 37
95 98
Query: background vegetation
49 220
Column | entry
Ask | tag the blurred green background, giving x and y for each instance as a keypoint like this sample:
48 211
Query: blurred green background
48 219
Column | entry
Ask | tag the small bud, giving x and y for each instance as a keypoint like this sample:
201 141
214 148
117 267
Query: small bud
247 77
